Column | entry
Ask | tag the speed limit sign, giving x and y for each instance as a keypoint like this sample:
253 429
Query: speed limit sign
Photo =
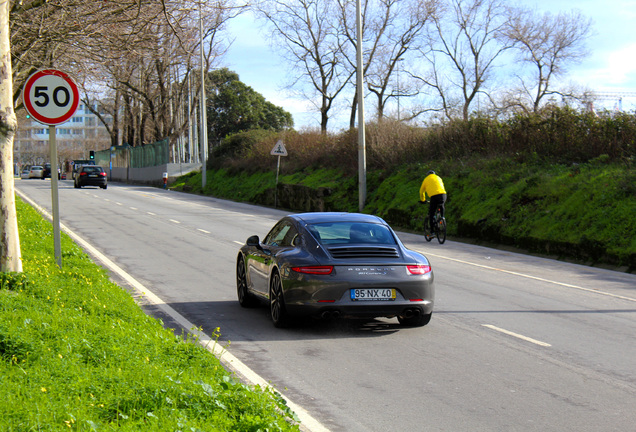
50 96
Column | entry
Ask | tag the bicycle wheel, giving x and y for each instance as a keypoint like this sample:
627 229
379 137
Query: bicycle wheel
441 230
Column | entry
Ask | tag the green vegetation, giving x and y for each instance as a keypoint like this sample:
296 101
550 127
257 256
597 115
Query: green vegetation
77 353
234 107
535 183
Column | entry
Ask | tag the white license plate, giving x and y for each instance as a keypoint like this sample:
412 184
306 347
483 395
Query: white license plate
371 294
93 175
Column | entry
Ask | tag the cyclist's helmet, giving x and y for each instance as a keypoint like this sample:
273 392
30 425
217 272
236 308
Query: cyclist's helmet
430 172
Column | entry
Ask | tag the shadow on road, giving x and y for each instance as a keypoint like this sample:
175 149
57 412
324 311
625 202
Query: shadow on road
239 324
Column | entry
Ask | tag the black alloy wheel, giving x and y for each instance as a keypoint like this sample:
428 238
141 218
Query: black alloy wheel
245 298
277 302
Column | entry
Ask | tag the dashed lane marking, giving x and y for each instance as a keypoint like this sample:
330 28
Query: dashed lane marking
517 335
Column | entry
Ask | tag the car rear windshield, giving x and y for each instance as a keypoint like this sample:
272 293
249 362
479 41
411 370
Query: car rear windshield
92 169
351 233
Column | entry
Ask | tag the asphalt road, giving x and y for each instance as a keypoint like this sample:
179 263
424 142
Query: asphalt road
516 343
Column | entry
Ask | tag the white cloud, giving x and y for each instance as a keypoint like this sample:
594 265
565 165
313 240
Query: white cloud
619 68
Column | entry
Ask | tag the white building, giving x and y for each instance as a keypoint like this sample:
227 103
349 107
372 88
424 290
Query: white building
75 138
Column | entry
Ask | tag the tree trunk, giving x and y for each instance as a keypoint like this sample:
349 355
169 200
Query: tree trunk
10 256
354 111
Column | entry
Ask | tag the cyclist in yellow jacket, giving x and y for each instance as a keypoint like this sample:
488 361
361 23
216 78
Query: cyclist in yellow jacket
433 186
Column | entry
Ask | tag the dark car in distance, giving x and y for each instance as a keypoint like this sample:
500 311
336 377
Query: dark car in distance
91 175
328 265
46 173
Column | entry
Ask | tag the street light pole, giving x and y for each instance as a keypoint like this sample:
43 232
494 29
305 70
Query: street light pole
362 158
203 115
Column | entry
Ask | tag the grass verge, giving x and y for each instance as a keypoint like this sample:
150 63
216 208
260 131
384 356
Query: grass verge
77 353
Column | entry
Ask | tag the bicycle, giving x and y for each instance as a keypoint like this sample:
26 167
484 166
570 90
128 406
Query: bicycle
439 227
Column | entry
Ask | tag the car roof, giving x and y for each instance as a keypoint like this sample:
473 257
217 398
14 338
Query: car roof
325 217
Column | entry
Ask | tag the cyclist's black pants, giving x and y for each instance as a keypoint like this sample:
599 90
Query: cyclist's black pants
436 200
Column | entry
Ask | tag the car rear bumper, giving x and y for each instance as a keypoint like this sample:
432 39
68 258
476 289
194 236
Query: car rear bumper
364 310
415 298
324 296
93 182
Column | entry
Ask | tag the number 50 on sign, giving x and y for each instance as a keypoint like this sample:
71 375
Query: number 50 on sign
50 96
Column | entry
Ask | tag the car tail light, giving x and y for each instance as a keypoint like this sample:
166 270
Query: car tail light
315 270
102 174
82 174
418 269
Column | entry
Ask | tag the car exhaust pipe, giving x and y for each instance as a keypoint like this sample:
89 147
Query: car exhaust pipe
326 315
411 312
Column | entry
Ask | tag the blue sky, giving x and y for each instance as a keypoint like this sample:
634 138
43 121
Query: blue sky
610 66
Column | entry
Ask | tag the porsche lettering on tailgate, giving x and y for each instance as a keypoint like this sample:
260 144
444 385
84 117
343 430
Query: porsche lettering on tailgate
371 270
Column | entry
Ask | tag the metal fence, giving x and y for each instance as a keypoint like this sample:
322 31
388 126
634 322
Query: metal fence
125 156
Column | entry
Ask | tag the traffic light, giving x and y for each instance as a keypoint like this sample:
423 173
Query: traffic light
92 155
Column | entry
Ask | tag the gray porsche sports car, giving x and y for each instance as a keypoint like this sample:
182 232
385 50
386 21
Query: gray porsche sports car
328 265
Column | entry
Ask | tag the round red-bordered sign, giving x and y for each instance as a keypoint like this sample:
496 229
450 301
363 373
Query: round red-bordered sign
50 96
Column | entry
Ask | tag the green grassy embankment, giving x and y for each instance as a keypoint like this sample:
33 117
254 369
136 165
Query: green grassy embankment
583 212
77 353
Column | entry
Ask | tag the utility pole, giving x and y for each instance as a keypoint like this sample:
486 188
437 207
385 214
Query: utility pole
203 115
362 157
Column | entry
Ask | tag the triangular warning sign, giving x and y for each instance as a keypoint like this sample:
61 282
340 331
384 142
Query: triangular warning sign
279 149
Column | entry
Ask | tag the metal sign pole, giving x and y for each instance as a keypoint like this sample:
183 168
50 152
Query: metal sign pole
51 97
276 188
57 242
278 150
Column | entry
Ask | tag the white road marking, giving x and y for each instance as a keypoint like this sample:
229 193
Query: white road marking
175 221
204 231
230 361
563 284
134 208
238 242
517 335
151 213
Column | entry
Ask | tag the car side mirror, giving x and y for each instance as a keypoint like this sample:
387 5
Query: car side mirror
254 241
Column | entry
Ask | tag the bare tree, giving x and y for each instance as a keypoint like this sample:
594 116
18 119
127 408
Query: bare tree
148 63
309 39
125 51
468 39
548 43
11 260
390 30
